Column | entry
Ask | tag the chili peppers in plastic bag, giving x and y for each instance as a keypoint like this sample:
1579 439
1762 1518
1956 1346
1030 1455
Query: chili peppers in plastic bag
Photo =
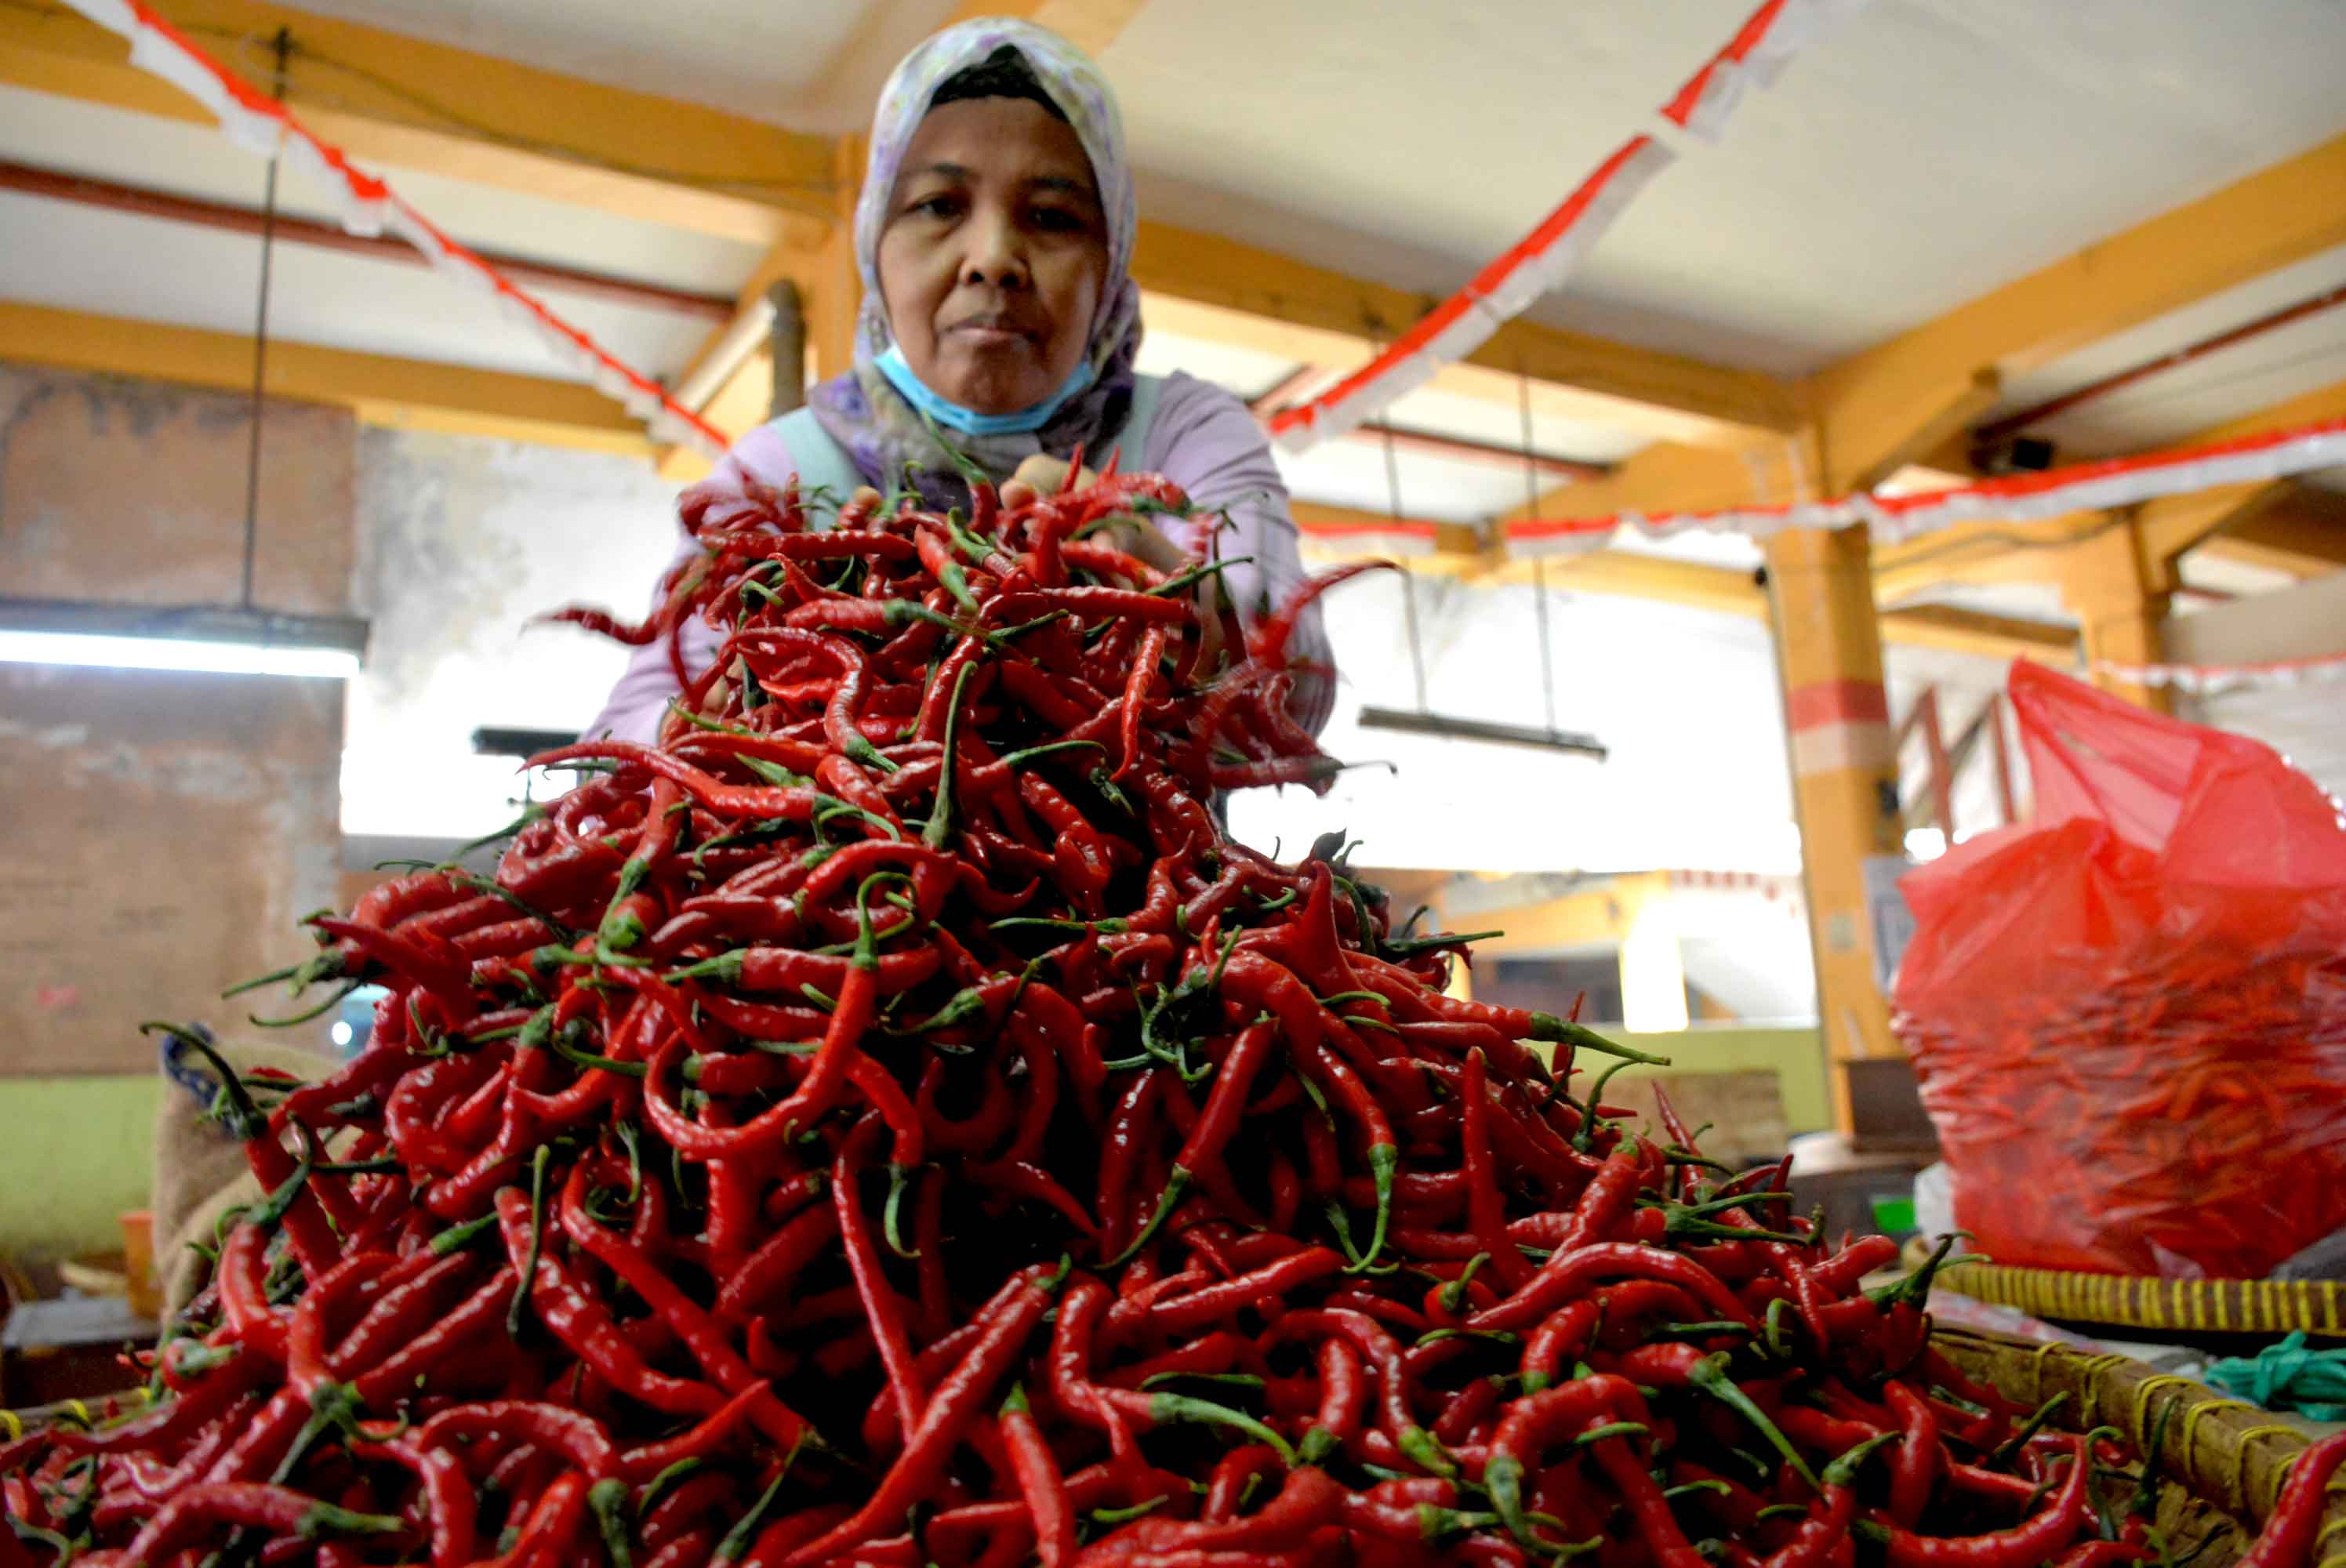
2129 1016
889 1124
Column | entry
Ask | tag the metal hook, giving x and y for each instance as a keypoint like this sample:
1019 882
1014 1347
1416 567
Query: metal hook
283 49
1408 578
1540 566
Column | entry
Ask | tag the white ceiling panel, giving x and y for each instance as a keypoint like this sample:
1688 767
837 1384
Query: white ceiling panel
770 59
1498 424
2178 402
198 161
1922 153
1353 473
81 258
2219 312
2211 572
1242 373
2019 601
1706 546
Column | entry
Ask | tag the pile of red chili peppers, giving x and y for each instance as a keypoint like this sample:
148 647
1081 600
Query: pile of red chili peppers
2184 1107
889 1123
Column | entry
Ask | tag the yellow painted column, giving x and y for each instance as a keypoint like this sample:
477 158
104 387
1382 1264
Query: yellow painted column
836 290
2121 603
1844 776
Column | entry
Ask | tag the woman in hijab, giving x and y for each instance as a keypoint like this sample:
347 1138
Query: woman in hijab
994 237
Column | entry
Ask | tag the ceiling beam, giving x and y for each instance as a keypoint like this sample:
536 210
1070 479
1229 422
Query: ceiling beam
1885 399
413 394
2278 525
1978 553
1952 630
1670 476
2174 525
2299 530
1196 285
386 97
2165 528
1723 590
420 106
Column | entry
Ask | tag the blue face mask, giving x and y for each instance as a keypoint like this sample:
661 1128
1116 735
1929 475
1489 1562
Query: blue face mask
968 420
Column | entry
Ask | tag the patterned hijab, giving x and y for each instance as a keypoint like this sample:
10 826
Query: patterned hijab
872 421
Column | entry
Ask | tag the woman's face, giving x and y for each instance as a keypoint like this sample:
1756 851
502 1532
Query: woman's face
993 254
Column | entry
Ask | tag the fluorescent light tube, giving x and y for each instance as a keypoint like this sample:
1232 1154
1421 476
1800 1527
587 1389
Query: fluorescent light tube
180 637
176 653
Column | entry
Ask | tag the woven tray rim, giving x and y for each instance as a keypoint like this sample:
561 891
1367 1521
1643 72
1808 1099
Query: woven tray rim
2224 1452
2272 1307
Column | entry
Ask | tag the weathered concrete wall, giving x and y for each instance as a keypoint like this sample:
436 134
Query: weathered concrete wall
76 1156
135 492
159 833
463 540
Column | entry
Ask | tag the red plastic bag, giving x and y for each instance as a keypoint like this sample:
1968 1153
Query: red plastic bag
2130 1015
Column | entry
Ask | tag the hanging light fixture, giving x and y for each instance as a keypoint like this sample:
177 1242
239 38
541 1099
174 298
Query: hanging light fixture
194 638
1447 727
243 638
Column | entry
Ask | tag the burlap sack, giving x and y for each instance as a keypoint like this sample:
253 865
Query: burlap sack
201 1171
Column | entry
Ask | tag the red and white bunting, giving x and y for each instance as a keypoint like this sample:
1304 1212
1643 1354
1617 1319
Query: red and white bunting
1539 263
1757 56
264 127
1396 537
2208 679
2079 487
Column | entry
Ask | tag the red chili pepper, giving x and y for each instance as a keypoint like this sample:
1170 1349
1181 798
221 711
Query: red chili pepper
957 1402
2053 1527
2291 1527
1915 1465
1039 1480
273 1507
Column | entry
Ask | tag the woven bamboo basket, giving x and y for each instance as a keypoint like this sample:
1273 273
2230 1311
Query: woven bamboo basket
2266 1308
2223 1465
2225 1459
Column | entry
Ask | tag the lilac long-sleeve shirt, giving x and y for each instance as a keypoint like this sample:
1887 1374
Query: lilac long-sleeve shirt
1202 439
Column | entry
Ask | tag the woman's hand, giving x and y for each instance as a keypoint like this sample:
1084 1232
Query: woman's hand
1043 475
1040 476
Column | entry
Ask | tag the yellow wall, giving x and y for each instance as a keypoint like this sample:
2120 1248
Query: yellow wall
76 1154
1797 1055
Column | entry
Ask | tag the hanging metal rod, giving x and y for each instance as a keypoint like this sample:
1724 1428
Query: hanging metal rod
1445 727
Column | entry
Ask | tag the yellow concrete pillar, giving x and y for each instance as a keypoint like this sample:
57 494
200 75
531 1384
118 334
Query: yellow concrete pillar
1844 776
2120 601
836 290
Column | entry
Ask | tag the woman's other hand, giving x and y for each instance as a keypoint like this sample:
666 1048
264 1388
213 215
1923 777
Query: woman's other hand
1039 476
1043 475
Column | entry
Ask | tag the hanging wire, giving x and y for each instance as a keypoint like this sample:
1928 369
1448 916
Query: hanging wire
261 342
1539 566
1408 578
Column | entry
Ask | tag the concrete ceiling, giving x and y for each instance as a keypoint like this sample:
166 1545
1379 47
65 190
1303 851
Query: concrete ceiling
2286 362
813 65
1925 153
1873 187
1921 154
1867 191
